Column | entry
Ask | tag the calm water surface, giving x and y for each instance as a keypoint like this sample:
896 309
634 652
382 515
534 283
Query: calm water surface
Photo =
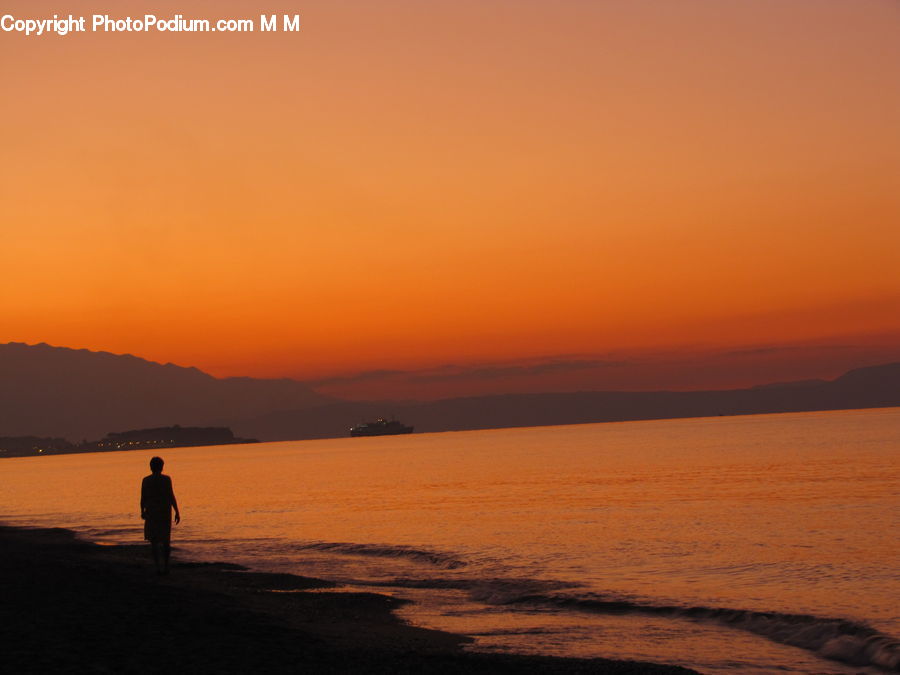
742 545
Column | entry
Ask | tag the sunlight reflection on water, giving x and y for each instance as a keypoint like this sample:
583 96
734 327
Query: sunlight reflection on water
791 514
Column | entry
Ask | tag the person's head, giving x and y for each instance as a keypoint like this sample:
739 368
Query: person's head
156 465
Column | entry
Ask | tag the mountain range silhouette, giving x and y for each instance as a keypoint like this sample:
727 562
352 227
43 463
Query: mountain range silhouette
79 394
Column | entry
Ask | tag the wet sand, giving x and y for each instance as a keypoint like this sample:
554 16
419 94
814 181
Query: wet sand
71 606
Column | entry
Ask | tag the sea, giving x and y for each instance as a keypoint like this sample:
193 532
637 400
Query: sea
745 545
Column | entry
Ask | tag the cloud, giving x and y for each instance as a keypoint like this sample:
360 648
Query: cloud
365 376
760 351
526 369
490 371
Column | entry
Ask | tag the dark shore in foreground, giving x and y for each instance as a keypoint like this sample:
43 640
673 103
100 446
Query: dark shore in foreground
71 606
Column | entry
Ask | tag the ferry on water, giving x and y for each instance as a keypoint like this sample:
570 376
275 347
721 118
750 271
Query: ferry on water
380 427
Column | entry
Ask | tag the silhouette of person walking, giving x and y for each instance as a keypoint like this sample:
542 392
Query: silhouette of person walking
157 502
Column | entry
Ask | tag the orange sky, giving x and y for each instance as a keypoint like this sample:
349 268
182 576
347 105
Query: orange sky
405 184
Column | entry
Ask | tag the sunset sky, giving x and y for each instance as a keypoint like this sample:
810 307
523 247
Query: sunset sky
706 190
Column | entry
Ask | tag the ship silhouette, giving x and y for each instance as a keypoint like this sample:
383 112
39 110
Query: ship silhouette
380 427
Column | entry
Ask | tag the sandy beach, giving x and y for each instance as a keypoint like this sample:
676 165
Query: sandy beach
71 606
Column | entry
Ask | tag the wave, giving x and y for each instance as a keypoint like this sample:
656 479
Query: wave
843 640
435 558
835 639
496 591
129 531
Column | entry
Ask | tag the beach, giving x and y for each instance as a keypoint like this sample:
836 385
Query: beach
73 606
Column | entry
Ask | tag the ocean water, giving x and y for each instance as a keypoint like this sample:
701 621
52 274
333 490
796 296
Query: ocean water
742 545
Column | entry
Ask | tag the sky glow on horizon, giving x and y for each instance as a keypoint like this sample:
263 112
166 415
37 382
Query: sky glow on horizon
405 185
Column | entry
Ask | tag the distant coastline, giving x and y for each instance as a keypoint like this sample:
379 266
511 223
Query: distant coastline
44 402
863 388
136 439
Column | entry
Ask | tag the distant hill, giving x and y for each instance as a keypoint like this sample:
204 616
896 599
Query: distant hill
877 386
133 439
79 394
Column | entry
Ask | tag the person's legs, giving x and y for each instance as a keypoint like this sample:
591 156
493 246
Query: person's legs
158 531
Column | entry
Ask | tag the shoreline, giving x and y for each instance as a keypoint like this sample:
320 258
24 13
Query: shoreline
75 606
